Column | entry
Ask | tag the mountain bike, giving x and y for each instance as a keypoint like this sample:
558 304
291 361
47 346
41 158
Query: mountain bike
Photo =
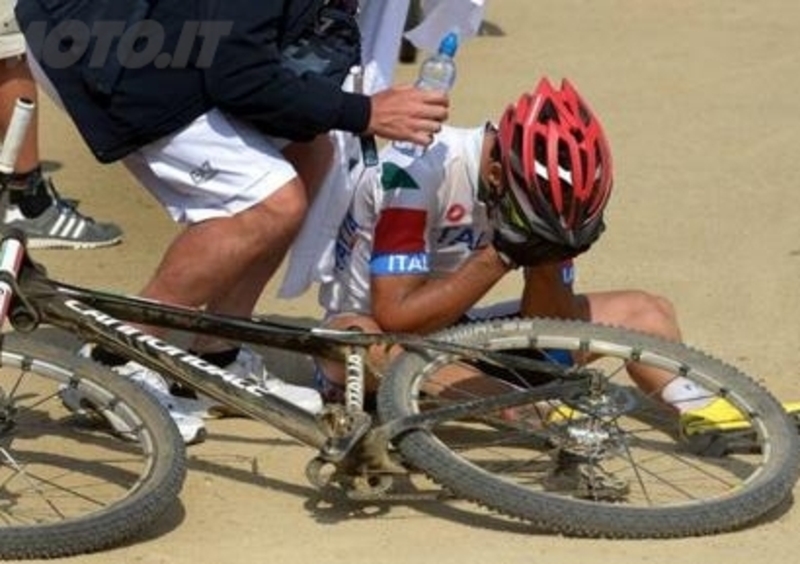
611 464
488 411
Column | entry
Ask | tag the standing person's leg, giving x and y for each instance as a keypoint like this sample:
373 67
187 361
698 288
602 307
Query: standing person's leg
311 161
16 82
238 196
243 203
36 208
212 262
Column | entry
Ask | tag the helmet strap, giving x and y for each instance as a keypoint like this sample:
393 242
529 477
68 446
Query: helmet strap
490 175
490 182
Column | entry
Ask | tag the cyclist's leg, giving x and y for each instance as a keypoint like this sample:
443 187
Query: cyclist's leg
700 409
330 375
640 311
455 381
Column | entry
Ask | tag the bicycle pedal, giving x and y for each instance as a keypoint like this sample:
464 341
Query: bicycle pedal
337 447
795 417
721 444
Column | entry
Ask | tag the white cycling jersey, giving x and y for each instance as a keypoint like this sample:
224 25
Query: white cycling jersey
411 217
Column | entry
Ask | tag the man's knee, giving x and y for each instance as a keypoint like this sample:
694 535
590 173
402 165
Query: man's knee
286 206
637 310
653 314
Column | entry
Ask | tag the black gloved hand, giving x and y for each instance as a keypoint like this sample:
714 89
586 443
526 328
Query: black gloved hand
518 241
532 251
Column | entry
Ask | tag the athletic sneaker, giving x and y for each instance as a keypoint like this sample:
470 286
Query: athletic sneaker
721 416
191 428
561 414
76 402
249 364
62 226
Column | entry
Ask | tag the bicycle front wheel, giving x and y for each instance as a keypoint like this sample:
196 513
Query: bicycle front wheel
605 461
79 479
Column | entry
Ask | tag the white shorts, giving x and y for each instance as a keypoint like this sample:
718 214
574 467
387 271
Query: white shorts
12 43
214 167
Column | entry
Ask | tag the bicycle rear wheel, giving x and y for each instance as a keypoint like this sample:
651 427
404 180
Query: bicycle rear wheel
606 461
78 481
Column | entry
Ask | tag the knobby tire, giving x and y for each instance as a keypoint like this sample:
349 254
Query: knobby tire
615 465
70 481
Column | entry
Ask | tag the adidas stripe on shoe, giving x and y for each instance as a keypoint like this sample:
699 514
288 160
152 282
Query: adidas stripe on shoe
61 226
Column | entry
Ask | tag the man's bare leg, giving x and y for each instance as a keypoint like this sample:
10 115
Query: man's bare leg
640 311
311 161
211 258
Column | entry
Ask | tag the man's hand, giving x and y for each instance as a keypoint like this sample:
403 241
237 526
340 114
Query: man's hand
405 113
517 242
533 251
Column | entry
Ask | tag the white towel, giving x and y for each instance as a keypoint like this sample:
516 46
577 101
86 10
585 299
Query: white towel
311 257
440 17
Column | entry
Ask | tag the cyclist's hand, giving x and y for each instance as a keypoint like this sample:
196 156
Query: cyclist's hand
516 242
405 113
531 250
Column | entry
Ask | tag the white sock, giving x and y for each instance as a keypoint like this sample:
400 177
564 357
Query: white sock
685 395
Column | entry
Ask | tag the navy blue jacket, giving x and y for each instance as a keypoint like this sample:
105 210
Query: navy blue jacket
118 108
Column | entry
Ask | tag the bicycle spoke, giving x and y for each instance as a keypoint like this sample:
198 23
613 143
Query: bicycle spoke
602 453
66 467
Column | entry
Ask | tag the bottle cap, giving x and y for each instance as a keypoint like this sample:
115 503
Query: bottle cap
449 44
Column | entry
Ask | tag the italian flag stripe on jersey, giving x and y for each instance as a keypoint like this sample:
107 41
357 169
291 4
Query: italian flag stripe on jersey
399 231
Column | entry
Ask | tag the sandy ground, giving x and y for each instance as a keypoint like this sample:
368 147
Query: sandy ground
699 100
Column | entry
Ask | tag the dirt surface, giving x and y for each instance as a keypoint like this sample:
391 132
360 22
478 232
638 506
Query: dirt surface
699 100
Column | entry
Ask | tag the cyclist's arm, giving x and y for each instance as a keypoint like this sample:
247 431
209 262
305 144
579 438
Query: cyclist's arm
422 304
548 293
408 293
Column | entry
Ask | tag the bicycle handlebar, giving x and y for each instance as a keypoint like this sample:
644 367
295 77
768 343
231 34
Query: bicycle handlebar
15 135
12 247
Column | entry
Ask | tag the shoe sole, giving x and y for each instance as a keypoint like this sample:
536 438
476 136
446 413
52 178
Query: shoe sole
84 407
793 415
198 438
715 443
40 243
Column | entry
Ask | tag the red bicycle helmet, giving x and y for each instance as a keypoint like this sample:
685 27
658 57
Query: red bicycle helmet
557 166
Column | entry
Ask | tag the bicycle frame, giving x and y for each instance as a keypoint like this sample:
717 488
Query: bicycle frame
31 299
564 457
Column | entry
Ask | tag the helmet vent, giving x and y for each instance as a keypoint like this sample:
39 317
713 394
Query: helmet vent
548 112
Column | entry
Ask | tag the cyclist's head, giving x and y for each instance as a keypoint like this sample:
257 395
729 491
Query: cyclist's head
555 166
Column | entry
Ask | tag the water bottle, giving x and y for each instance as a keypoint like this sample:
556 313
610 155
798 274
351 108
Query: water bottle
437 72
